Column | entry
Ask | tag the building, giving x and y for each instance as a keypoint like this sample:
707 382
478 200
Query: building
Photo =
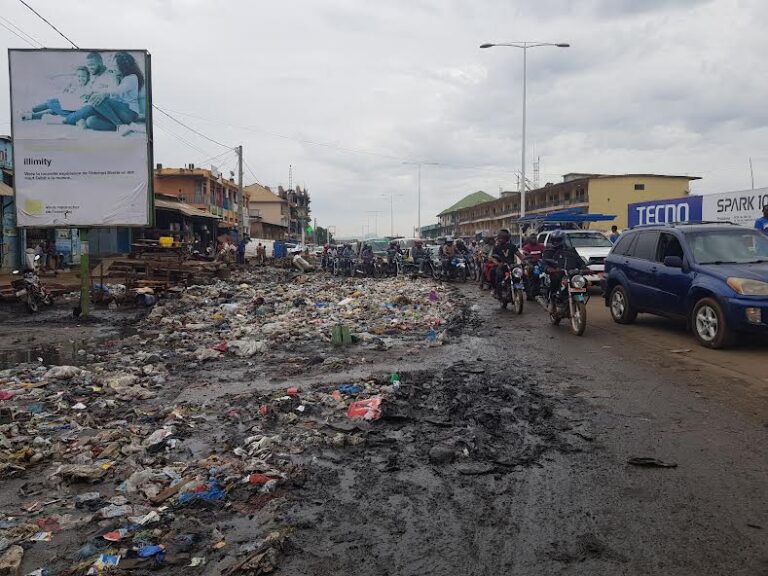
206 190
269 214
299 211
430 232
448 219
590 193
9 246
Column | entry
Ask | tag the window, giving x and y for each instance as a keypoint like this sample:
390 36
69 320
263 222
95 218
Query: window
624 245
645 246
669 245
639 186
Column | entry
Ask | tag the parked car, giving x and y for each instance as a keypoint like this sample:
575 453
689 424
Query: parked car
715 276
591 245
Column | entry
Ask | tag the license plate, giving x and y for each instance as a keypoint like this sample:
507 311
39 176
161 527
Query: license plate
577 290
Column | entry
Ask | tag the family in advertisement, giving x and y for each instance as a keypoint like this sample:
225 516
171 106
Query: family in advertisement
104 96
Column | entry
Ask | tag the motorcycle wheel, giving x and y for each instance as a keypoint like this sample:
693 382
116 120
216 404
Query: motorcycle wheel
462 275
435 273
579 318
519 301
554 317
32 305
504 299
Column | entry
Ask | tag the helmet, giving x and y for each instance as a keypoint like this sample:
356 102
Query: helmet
394 243
449 239
557 238
460 242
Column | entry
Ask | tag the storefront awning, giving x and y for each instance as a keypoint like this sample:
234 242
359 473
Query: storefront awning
5 190
184 208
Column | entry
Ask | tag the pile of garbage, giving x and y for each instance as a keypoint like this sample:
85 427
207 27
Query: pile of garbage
109 465
260 313
93 480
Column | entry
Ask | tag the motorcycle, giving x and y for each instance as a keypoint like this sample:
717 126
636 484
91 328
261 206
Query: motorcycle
512 289
30 290
456 270
531 279
566 301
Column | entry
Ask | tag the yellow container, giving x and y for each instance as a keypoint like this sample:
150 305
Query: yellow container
166 241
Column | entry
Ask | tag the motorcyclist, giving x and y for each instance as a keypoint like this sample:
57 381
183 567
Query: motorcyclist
419 254
503 253
533 249
559 258
461 248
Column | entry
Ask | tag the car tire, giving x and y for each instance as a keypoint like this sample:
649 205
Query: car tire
709 325
622 310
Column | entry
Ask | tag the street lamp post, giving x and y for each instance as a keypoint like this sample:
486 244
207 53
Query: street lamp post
524 46
418 209
391 197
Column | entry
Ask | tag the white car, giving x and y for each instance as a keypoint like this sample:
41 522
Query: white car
591 245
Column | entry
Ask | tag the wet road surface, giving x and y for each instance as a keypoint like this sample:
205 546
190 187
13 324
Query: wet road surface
578 507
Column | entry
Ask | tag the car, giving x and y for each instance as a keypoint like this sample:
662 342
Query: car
713 275
591 245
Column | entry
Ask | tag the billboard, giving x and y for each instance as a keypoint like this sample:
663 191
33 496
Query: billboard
82 133
687 209
738 207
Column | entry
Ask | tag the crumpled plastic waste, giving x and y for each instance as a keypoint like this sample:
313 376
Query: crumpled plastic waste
365 409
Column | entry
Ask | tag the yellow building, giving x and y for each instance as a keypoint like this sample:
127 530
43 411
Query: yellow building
590 193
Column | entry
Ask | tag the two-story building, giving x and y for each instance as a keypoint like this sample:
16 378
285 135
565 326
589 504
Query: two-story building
589 193
269 213
205 190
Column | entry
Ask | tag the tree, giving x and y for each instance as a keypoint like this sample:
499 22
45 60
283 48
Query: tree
323 236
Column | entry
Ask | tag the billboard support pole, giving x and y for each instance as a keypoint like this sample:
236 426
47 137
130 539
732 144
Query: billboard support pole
85 273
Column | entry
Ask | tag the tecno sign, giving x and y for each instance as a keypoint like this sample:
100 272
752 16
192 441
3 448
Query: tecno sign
688 209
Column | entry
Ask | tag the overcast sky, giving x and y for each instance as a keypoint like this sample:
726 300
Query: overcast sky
347 90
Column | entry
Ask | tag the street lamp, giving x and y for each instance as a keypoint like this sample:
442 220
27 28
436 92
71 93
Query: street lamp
391 197
418 215
524 46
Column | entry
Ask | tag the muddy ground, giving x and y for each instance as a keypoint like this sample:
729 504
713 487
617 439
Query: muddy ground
503 451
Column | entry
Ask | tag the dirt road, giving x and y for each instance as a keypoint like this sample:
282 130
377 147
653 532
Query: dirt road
577 506
506 450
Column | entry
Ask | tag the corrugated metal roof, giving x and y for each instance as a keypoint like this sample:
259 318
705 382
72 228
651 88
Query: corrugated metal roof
184 208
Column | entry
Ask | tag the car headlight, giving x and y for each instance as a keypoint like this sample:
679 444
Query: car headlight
517 273
748 287
578 281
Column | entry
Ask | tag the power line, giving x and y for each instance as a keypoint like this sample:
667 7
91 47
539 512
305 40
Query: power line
252 172
36 13
32 38
19 36
180 139
156 107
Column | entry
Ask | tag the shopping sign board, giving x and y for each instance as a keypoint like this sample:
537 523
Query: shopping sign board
738 207
82 133
687 209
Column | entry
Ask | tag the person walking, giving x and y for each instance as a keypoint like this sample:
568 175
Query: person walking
762 222
614 235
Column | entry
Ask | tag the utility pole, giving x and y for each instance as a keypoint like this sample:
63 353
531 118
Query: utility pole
752 173
85 273
391 196
240 199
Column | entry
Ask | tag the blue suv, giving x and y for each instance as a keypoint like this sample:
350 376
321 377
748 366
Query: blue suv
715 276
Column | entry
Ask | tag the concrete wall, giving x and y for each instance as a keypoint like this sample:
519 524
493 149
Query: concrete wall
612 195
271 212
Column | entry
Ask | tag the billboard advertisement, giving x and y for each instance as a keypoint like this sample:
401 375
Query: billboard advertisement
741 208
687 209
82 127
